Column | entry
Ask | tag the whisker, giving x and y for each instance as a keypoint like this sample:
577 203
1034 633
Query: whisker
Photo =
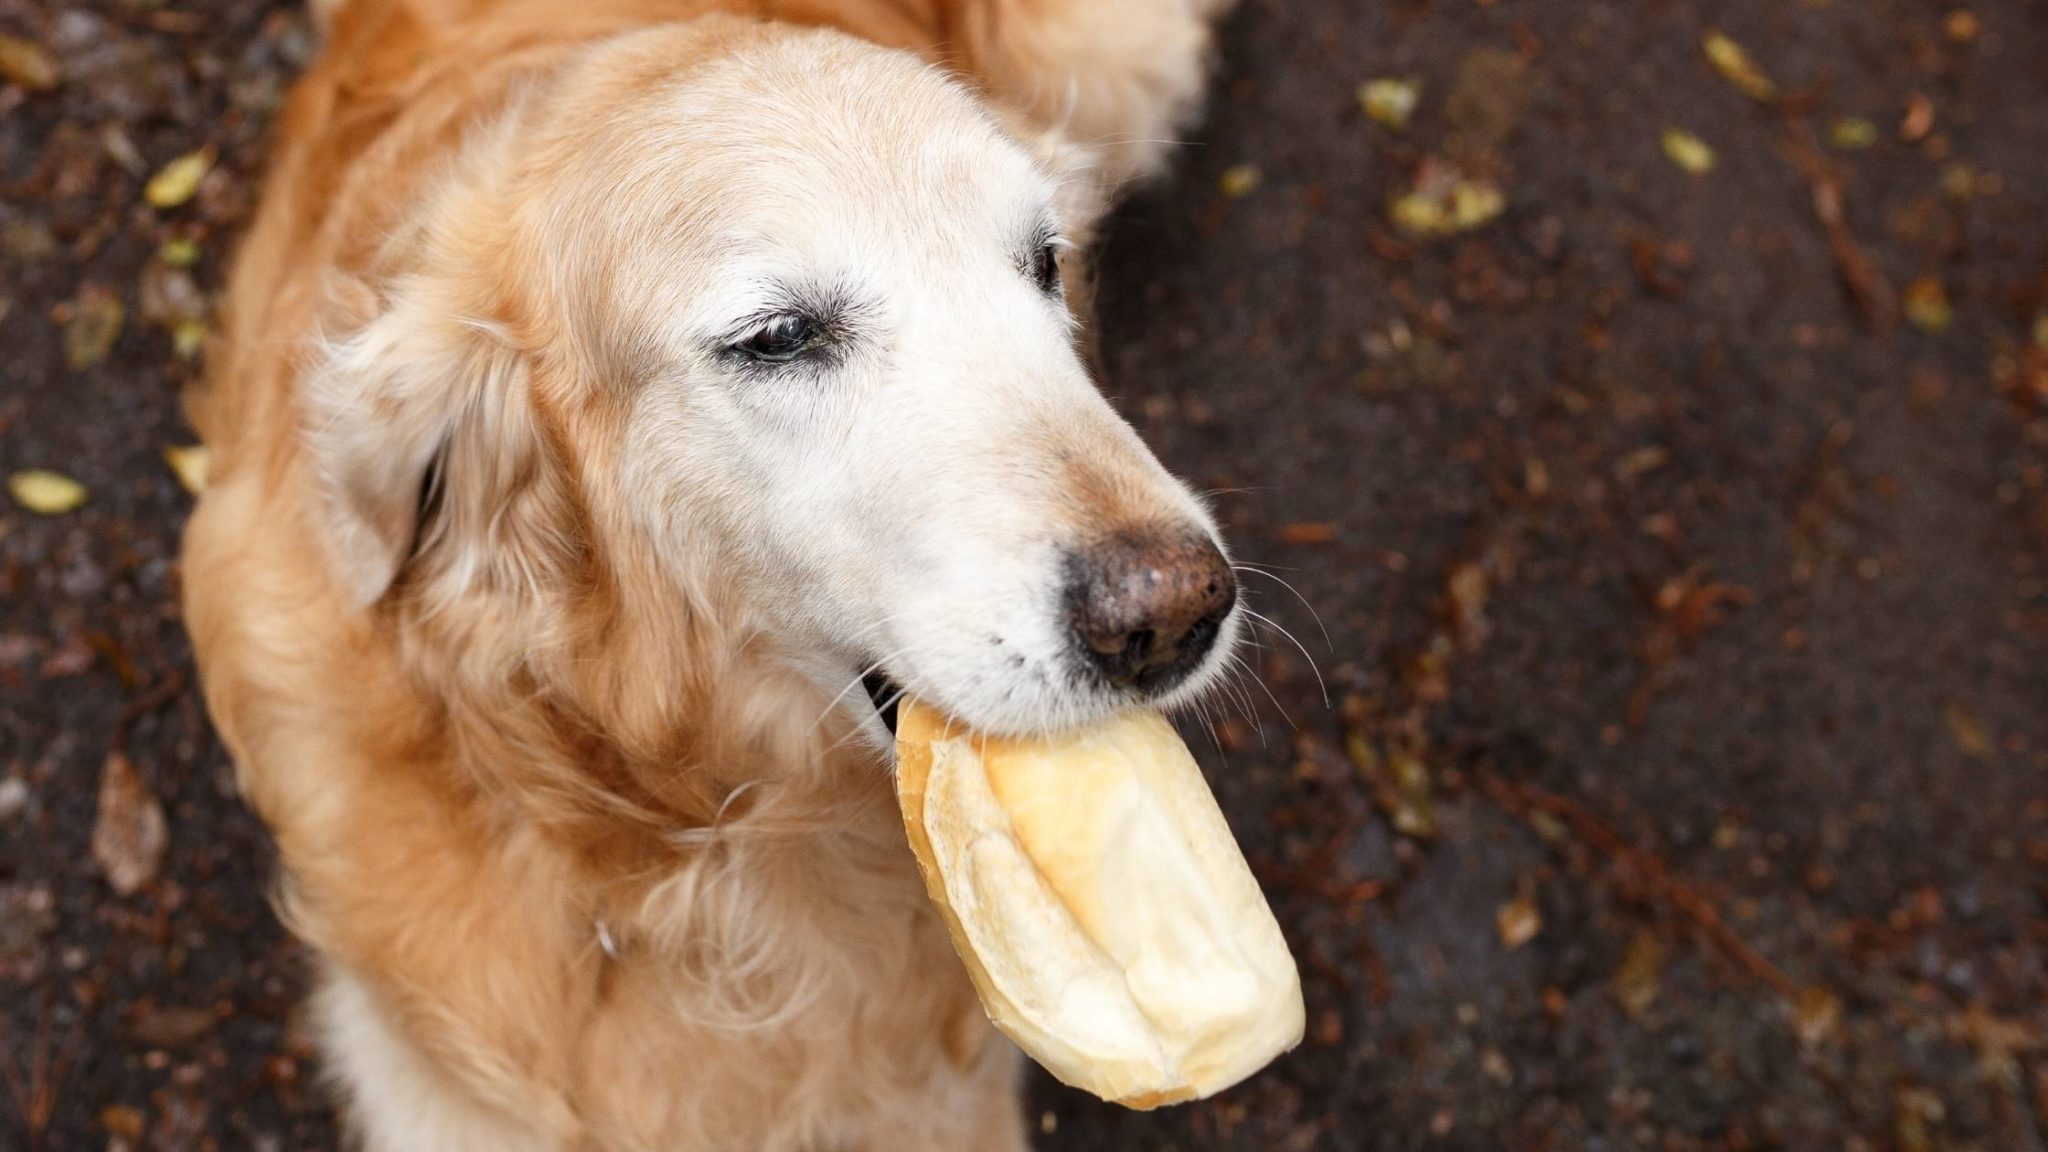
1270 623
1313 614
1284 714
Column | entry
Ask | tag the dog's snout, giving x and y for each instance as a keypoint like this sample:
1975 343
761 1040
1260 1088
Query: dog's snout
1147 606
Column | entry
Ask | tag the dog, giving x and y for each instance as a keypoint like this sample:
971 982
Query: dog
617 403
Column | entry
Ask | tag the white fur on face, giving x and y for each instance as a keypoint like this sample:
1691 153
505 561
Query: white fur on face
907 495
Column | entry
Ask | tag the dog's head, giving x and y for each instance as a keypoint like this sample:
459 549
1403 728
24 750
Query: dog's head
782 314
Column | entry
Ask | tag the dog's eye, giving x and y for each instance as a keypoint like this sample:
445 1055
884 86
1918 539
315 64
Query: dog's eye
1045 268
781 340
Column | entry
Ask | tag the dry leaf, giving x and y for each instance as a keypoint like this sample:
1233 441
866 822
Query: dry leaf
1390 102
1735 66
1518 921
28 64
189 463
1816 1015
94 326
46 493
1852 133
179 252
1919 119
177 181
1927 306
1640 977
188 338
129 839
1688 151
1968 733
1240 180
1445 202
1307 532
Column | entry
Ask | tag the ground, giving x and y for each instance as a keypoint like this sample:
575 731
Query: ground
1656 754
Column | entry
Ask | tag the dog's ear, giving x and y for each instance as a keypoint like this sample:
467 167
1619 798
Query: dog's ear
421 440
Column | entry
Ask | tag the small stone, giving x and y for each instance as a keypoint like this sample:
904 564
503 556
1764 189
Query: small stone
13 798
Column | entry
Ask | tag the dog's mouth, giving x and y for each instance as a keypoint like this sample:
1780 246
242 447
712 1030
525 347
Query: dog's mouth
886 695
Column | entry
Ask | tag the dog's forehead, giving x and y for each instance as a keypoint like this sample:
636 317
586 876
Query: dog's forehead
820 130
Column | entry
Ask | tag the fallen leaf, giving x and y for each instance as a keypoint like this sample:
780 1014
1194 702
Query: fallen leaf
1927 306
179 252
1967 731
159 1027
1688 151
1640 977
1518 921
177 181
188 338
189 463
122 1121
122 150
94 326
2041 330
1389 101
129 839
1735 66
1445 202
1919 119
1240 180
1307 532
1816 1015
46 493
1962 26
1852 133
26 63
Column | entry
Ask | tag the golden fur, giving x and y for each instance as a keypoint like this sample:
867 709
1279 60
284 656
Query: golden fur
583 872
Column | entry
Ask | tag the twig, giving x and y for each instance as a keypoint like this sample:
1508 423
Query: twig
1642 875
1872 295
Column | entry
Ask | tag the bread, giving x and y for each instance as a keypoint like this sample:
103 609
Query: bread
1100 903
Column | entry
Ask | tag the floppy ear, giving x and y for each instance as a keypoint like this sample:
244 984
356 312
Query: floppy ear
420 438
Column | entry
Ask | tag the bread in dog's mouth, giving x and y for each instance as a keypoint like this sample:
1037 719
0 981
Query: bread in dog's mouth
885 694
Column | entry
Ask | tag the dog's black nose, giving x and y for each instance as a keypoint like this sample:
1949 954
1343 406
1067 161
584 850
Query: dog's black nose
1146 606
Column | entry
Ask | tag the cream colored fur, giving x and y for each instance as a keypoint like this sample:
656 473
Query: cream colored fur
528 607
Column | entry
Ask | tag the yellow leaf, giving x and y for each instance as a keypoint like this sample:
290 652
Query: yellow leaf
1640 977
1445 202
177 181
1816 1014
1239 180
94 326
189 463
1927 306
179 253
1518 921
1390 101
1735 66
1688 151
26 63
46 493
1852 133
188 338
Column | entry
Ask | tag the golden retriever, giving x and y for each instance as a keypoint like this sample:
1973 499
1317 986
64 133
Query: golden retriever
609 390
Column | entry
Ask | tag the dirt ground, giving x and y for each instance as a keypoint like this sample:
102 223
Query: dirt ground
1670 540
